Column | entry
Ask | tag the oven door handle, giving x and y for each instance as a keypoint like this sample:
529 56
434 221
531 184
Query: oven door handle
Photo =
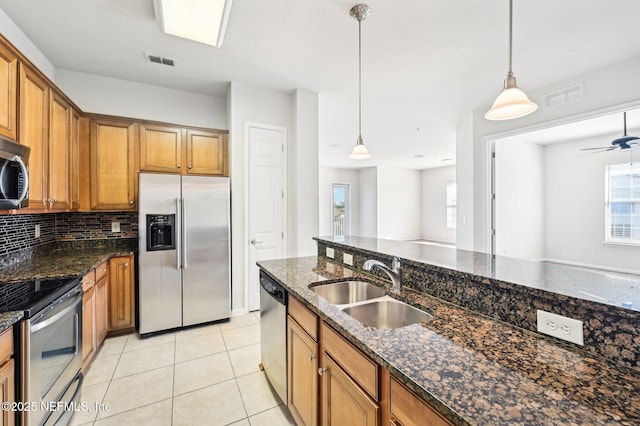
71 306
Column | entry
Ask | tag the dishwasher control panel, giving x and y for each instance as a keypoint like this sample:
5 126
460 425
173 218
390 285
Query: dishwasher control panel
277 291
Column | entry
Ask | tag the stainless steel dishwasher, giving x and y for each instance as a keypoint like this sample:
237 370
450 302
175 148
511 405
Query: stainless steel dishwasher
273 333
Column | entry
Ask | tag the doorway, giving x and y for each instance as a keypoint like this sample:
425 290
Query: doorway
267 201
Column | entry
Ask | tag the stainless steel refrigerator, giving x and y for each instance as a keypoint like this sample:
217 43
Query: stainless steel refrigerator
184 251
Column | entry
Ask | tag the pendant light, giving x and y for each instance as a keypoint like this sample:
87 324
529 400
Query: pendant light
360 13
511 102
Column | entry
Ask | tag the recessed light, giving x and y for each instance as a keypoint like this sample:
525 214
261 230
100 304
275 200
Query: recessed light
203 21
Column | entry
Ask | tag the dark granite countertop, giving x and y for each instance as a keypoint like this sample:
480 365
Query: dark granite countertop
473 369
7 319
612 288
65 259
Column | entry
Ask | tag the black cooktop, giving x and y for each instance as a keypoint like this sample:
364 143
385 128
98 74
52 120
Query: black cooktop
32 296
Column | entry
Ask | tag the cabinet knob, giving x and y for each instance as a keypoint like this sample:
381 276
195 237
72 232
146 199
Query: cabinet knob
311 357
321 371
190 166
131 203
179 166
126 265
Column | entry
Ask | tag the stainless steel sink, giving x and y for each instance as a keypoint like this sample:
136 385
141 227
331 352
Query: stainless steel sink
345 292
387 313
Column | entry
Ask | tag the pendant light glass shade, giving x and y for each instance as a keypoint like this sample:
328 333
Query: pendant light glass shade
360 151
511 102
359 12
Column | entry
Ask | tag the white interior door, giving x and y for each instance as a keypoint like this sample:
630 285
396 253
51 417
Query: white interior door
266 201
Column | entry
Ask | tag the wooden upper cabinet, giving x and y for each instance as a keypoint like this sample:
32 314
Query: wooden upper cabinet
114 164
160 149
60 151
34 132
207 153
8 93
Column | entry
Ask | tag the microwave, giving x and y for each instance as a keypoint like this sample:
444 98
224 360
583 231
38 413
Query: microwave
14 175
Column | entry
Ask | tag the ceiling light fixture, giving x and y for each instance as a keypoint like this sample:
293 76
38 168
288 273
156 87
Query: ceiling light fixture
204 21
511 102
360 13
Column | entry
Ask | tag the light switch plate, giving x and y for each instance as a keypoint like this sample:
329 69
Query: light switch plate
115 226
330 253
347 259
561 327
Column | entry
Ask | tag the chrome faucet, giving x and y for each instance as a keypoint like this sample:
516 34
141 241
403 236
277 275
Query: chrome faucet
394 272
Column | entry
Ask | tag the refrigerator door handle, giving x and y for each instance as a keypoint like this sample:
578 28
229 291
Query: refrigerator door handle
184 233
178 246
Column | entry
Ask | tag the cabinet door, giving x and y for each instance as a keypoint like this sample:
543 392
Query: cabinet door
75 160
302 373
114 165
101 313
343 401
88 304
8 93
121 293
34 132
206 153
7 391
59 161
160 149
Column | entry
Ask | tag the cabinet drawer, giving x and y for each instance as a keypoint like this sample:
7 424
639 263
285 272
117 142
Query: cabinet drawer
411 410
101 271
362 369
6 344
88 280
304 317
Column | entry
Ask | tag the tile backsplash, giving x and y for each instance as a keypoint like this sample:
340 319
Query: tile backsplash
17 232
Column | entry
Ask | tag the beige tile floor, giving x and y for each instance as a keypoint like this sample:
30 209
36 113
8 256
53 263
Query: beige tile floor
202 376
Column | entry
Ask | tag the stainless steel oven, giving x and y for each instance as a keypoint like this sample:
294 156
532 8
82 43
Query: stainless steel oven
51 351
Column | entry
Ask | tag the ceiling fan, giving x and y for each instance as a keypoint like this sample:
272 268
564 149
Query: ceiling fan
623 142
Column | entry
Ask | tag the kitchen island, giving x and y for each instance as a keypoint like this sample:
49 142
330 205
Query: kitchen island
471 368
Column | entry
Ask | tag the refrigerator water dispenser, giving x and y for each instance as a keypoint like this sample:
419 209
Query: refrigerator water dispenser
161 232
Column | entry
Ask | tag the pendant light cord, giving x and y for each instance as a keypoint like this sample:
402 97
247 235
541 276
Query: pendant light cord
510 36
359 79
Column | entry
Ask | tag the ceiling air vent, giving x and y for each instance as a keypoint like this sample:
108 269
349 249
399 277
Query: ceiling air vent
568 94
157 59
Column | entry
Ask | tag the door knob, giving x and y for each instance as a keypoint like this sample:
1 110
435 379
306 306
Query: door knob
254 242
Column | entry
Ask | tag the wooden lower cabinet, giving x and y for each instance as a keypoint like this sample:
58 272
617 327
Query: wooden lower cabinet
88 334
407 409
302 374
343 401
121 294
7 376
101 310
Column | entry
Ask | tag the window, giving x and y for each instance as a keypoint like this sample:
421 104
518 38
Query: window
622 214
340 210
451 205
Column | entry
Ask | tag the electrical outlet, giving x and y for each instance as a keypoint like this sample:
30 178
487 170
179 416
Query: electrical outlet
330 253
115 226
347 259
561 327
37 231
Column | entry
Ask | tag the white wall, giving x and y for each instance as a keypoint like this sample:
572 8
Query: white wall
327 177
520 190
433 201
303 174
398 203
15 35
111 96
613 85
464 184
368 202
574 213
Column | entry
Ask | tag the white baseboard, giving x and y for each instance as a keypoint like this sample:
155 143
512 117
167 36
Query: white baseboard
239 311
